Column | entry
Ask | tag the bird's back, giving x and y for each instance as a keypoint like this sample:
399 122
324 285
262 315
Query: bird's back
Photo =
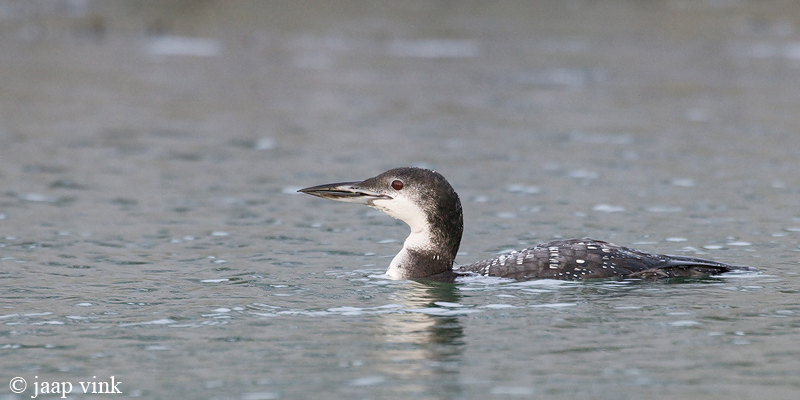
593 259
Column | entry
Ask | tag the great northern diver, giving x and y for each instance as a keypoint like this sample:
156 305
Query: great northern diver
425 201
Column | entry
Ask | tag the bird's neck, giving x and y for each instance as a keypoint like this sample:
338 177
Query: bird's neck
413 263
425 253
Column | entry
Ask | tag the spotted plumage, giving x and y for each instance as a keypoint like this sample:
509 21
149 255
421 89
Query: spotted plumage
428 204
591 259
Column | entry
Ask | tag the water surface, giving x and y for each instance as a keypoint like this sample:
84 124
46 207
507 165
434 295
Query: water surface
150 228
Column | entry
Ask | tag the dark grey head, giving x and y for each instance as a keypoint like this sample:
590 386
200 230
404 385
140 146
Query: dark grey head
419 197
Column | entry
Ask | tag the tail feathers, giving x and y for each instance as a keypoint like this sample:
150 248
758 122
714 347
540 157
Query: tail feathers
687 267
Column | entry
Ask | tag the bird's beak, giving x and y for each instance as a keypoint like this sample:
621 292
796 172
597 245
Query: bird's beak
349 192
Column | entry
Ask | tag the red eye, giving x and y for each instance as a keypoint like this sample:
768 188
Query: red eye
397 185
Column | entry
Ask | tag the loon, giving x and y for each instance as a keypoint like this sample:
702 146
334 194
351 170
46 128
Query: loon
425 201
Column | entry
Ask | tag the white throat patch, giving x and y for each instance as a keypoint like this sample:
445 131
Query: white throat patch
420 238
405 210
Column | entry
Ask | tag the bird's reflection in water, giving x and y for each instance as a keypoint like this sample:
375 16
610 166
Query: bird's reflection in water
425 344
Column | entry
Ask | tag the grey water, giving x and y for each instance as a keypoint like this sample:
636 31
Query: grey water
150 228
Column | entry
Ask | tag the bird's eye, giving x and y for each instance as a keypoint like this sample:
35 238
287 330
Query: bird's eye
397 184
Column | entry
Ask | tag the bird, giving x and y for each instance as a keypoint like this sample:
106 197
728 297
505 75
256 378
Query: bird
425 200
